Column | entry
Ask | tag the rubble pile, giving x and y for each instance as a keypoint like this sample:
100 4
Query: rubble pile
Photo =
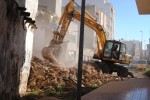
45 74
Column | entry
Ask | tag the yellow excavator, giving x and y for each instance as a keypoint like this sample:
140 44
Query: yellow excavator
111 53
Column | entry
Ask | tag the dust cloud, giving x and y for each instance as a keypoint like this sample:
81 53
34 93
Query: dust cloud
67 52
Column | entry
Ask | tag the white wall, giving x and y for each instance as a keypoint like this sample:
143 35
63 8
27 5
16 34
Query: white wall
32 7
44 33
52 5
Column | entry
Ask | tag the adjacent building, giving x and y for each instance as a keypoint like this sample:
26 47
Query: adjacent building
47 18
144 9
103 12
148 52
134 48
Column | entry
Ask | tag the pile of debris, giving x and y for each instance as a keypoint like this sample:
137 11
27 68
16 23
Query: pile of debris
45 74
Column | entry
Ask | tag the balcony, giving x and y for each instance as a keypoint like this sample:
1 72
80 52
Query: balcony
143 6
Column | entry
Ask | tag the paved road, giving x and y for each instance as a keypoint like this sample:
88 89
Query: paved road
129 89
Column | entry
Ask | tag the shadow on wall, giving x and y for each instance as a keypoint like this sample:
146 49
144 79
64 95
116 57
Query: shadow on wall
12 49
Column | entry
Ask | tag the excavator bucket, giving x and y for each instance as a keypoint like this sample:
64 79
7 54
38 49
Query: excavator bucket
51 52
47 53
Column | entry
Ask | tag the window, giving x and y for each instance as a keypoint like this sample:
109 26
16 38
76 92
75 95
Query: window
112 11
107 49
123 48
105 1
115 51
72 54
97 16
122 52
142 62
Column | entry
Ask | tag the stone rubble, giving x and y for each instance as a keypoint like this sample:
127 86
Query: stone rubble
44 74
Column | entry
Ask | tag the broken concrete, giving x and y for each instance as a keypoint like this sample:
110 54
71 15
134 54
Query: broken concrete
44 75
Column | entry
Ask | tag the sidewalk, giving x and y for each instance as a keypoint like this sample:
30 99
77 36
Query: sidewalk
129 89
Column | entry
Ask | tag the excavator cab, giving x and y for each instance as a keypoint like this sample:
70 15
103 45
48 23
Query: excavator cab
114 51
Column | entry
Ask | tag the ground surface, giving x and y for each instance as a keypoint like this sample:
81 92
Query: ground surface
137 88
129 89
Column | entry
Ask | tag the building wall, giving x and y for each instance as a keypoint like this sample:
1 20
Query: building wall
107 16
43 35
74 28
148 50
31 7
73 35
90 35
133 48
11 32
52 5
14 50
89 42
49 12
138 48
72 38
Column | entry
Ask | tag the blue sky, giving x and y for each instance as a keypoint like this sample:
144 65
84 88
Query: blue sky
128 22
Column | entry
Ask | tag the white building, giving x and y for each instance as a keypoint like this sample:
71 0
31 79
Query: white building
51 5
134 48
47 18
102 10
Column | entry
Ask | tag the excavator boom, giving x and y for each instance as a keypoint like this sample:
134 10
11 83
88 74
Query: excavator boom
70 13
92 23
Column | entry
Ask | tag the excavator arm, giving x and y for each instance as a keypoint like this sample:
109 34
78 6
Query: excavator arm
92 23
64 22
68 15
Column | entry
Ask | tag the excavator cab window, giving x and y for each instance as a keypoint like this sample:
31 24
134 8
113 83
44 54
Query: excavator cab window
108 48
114 50
122 52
